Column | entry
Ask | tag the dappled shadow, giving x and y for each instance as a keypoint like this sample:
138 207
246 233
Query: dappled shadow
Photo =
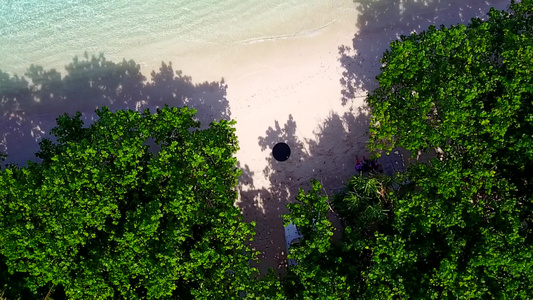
30 104
328 157
382 21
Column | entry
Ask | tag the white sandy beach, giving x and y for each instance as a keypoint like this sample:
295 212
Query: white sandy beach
292 89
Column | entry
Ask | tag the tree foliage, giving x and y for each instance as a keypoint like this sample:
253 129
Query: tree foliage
459 226
313 278
466 90
137 205
462 223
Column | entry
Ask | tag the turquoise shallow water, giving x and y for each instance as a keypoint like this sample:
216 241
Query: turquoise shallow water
51 32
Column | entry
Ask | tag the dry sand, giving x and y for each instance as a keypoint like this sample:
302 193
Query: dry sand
305 91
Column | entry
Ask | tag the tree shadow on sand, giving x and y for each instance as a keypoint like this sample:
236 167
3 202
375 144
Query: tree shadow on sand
329 157
382 21
30 104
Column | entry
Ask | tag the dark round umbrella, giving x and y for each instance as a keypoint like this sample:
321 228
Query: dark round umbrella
281 151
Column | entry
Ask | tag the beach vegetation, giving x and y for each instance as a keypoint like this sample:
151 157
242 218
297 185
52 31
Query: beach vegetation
136 205
459 225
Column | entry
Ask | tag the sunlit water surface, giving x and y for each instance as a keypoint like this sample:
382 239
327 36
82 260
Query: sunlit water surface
51 32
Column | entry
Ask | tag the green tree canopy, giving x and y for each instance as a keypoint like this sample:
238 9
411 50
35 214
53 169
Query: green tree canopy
137 205
464 90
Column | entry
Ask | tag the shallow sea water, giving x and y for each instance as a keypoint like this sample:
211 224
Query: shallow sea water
52 32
